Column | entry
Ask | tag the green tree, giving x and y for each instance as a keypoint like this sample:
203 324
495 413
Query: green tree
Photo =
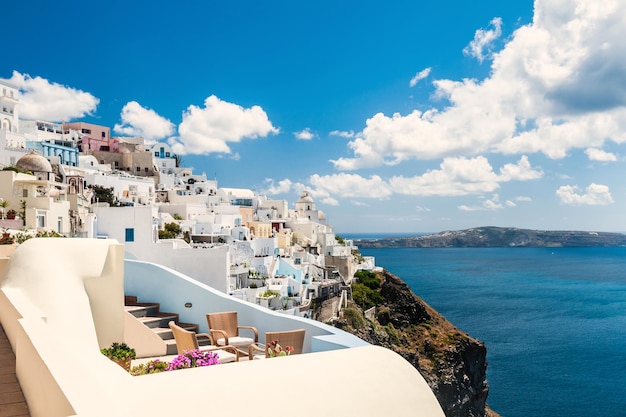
368 278
170 231
103 195
365 297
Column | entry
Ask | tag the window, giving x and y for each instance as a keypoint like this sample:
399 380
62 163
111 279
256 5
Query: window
117 163
104 135
146 169
41 218
86 131
130 234
156 154
167 154
138 169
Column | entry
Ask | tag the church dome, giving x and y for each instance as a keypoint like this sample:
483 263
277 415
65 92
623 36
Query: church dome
305 198
33 162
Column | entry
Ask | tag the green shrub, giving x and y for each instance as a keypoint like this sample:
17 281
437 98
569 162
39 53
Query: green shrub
391 331
354 317
365 297
368 278
170 231
152 367
119 351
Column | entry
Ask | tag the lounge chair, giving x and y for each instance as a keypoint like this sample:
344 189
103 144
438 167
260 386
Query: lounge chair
187 340
224 330
293 338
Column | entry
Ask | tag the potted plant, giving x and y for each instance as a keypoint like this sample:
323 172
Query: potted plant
274 349
11 214
6 239
120 353
4 204
152 367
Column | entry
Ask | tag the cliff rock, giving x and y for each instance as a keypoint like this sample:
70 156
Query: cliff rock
453 363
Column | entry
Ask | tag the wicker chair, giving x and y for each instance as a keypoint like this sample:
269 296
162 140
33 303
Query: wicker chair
224 330
293 338
187 340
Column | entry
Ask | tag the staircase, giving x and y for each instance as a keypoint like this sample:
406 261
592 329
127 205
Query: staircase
150 314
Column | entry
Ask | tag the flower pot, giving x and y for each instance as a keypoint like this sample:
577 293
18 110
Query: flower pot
124 363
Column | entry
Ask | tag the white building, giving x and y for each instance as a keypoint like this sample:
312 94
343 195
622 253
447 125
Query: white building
137 228
12 142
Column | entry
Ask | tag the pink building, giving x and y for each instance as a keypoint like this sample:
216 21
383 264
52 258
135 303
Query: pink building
94 137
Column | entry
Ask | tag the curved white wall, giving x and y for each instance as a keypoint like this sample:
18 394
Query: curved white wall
60 300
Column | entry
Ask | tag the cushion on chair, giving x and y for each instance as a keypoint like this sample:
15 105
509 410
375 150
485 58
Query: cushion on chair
236 341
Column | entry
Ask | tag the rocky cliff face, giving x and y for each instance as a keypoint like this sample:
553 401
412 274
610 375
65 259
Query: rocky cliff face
453 363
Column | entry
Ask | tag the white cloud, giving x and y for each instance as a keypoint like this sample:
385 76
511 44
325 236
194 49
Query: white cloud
469 208
483 40
141 122
213 127
349 185
305 134
330 201
523 199
283 186
557 84
42 100
420 209
419 76
599 155
594 195
522 171
456 176
492 203
342 133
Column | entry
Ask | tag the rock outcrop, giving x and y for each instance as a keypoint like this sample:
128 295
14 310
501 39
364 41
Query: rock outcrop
453 363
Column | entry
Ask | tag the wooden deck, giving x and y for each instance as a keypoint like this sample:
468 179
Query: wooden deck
12 402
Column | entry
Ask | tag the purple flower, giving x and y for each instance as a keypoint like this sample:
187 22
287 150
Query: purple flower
193 359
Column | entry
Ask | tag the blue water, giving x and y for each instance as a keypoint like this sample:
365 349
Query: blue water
553 321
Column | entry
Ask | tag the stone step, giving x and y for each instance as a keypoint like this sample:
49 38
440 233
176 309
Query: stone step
143 310
158 321
151 316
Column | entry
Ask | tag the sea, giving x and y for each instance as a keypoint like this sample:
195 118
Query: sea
553 320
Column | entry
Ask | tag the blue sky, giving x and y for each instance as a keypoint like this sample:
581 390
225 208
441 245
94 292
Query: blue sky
398 116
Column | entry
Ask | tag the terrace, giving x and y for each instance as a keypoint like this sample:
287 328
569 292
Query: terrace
60 310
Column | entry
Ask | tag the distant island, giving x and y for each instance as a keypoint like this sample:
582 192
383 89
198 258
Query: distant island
494 237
